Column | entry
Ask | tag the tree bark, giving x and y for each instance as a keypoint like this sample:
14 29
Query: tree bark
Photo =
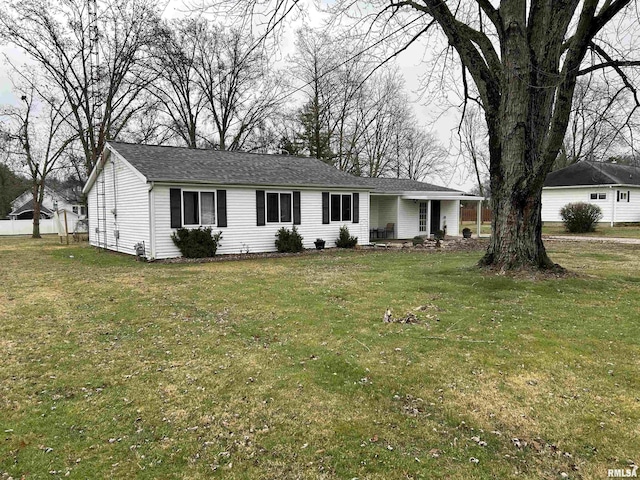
37 202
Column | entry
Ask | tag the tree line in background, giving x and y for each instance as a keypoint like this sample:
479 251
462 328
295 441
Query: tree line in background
199 84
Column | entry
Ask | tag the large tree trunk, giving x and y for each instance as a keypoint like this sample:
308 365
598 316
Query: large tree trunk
37 202
515 130
516 240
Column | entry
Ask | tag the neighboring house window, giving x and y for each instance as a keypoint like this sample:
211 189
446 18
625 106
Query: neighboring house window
340 207
79 209
277 207
423 216
190 208
623 196
598 196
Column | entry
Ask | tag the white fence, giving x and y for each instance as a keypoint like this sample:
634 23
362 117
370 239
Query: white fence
47 226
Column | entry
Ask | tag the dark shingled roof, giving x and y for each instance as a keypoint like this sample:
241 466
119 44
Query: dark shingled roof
28 207
178 164
403 185
594 173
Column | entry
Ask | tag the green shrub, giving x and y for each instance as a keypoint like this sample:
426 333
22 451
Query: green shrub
344 239
580 217
417 240
196 243
439 235
288 240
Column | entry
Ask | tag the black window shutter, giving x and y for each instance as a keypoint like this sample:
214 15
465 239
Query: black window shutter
175 207
260 207
325 207
356 208
296 208
617 195
628 196
221 207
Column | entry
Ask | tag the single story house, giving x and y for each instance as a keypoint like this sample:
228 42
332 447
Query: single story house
140 195
615 188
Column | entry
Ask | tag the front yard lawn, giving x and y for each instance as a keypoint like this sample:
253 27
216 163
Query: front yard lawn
282 368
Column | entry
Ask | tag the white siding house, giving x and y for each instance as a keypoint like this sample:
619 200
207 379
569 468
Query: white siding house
138 195
614 188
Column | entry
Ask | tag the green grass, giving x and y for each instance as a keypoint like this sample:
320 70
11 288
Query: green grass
602 230
283 368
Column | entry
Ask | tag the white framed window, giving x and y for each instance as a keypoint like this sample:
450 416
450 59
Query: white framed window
79 209
341 207
597 196
198 208
279 207
623 196
423 217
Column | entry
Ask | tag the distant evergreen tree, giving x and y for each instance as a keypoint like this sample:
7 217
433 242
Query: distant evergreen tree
11 185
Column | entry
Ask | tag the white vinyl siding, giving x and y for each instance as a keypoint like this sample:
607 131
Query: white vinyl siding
553 199
628 210
450 216
242 233
126 212
384 210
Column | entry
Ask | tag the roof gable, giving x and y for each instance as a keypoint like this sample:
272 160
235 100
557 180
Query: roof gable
594 173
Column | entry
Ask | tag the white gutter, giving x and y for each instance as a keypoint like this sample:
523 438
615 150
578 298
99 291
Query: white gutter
431 196
604 185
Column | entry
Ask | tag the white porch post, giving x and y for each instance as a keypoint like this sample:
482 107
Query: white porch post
479 217
428 218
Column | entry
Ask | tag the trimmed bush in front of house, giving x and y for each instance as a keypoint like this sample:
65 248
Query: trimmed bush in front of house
580 217
288 240
344 239
197 242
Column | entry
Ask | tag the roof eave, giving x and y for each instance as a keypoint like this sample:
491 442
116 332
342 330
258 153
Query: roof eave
253 185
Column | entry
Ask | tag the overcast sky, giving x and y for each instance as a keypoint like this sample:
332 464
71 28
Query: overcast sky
409 63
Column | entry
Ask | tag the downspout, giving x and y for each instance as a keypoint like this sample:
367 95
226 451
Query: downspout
152 223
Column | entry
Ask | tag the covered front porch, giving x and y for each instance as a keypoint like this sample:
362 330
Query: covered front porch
411 214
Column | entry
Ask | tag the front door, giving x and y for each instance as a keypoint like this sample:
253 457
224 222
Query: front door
435 216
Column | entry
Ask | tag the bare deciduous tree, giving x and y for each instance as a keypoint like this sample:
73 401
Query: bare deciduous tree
36 140
239 94
56 36
524 59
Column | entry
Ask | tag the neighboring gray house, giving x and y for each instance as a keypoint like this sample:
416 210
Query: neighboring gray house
613 187
140 194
